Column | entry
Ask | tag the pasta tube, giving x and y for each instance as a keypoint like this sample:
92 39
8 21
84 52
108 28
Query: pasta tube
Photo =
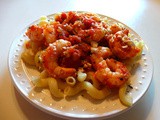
53 86
37 60
62 84
125 98
71 91
90 89
43 21
71 81
81 76
95 93
42 81
28 57
90 77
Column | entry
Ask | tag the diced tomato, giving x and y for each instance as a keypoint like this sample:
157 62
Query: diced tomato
74 18
88 23
74 39
58 18
71 58
63 16
126 31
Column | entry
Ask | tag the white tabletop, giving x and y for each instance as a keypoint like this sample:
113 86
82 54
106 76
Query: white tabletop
141 15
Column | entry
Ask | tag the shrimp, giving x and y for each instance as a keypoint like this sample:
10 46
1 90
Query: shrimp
101 51
92 16
98 55
114 75
115 28
50 58
35 34
64 18
89 28
93 34
122 46
54 31
50 34
75 55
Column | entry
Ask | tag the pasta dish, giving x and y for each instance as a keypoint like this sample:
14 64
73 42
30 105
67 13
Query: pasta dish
81 51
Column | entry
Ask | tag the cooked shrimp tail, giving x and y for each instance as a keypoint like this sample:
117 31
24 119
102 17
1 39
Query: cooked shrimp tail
114 75
50 60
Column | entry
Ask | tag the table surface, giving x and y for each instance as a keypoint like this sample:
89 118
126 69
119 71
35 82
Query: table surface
143 16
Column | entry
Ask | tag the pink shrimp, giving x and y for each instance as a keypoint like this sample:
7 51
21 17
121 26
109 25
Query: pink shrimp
101 51
35 34
50 34
93 34
114 75
69 17
98 56
115 28
122 46
50 58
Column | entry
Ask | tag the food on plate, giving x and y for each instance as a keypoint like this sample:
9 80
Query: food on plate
81 51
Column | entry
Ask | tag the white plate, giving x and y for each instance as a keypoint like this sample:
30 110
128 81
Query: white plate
77 107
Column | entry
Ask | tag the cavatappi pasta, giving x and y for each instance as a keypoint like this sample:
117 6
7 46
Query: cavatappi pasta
81 52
